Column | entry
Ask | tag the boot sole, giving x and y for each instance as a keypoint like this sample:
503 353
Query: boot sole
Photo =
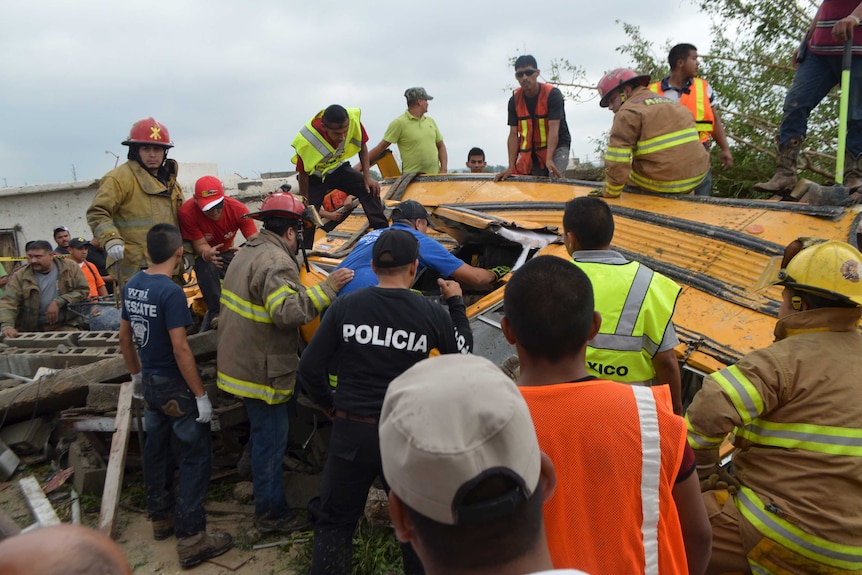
205 557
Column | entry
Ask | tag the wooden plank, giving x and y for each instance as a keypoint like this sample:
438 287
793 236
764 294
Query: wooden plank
69 387
42 509
116 461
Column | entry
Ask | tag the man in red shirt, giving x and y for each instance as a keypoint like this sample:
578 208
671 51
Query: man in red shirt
210 221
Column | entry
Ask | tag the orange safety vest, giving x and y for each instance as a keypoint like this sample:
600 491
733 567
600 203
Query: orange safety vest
533 129
697 102
617 450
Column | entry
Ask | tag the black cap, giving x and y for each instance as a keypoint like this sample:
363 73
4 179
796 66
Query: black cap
395 248
78 243
410 210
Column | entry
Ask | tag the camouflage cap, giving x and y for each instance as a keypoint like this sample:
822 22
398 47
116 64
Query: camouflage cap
414 94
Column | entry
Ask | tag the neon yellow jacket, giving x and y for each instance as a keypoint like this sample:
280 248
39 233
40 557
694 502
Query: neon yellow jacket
263 304
129 202
318 156
796 413
637 306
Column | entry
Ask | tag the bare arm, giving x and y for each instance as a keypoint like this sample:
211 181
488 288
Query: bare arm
696 530
720 138
302 180
102 290
553 140
443 156
371 184
512 148
186 360
474 276
667 372
375 152
843 29
128 349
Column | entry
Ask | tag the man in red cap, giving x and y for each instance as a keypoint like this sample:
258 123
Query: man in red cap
210 221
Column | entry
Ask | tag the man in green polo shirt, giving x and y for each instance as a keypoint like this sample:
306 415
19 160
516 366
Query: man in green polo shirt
419 140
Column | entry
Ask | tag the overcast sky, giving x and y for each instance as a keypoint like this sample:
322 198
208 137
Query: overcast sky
235 80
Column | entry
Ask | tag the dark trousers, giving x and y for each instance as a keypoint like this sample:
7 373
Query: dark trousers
209 278
171 410
351 466
348 180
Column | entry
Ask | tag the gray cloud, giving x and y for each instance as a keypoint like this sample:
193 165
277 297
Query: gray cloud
235 81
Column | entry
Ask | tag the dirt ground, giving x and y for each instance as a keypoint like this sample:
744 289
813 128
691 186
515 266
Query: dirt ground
134 532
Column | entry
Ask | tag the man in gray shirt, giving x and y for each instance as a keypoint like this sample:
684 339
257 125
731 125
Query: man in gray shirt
38 296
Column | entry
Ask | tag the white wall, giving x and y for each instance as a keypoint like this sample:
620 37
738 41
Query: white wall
34 211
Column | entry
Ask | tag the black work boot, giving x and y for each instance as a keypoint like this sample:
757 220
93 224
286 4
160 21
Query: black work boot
784 179
202 546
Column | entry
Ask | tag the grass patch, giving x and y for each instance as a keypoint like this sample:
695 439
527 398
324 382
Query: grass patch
375 552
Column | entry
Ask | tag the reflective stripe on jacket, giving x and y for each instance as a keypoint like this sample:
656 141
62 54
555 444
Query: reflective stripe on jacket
613 510
654 144
696 99
636 305
129 202
19 306
263 304
795 411
318 156
533 129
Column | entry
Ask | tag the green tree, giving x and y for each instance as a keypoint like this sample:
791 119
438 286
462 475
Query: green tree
748 65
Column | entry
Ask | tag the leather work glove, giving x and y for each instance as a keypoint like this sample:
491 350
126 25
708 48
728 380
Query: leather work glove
499 271
116 251
205 409
718 479
138 385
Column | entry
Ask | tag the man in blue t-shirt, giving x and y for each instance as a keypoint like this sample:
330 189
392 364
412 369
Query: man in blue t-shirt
412 216
157 353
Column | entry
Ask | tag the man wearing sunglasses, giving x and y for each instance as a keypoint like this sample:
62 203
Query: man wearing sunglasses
539 137
323 147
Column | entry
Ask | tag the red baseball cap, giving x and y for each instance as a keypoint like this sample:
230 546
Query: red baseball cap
209 192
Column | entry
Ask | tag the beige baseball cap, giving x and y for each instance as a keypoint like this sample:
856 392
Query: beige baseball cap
448 423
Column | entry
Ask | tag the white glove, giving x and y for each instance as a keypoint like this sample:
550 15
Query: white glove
138 385
205 409
116 251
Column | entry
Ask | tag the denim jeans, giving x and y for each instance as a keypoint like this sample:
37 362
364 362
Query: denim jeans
171 410
269 427
560 160
815 77
209 279
705 187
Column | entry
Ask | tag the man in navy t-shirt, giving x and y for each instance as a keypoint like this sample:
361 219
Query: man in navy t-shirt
157 353
412 216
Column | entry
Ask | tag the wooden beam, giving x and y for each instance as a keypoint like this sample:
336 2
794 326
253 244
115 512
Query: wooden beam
42 509
116 461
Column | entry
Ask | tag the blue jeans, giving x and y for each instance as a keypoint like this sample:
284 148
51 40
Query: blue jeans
815 77
705 187
269 426
170 409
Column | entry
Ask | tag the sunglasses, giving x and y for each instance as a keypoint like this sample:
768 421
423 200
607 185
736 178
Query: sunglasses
523 73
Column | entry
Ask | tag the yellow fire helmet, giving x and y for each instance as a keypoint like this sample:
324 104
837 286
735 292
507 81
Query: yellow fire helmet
829 269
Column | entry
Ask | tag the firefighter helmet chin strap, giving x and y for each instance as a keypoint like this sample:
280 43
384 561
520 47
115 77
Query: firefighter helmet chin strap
301 242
